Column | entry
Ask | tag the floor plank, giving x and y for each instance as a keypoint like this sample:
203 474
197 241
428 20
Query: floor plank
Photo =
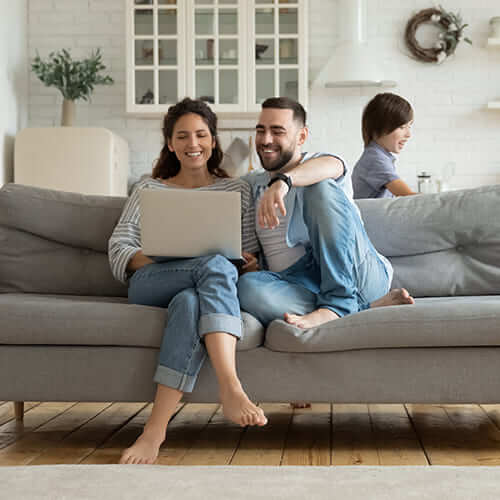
36 417
84 440
480 436
309 436
184 431
7 411
216 444
200 435
353 439
44 426
457 434
397 442
110 451
265 445
493 412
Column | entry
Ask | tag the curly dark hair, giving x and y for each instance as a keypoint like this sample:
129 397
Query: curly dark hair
168 164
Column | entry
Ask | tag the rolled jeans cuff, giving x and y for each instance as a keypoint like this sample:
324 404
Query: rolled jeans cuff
217 322
174 379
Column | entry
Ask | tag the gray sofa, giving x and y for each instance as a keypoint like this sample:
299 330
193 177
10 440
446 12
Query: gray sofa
68 334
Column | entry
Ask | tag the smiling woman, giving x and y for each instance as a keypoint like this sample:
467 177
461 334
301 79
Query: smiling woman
200 293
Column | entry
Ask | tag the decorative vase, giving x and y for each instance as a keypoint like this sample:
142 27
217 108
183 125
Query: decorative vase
68 113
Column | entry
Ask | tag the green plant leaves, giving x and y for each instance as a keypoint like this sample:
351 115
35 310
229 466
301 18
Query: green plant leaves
75 79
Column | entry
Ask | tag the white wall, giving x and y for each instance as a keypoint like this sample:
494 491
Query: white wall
13 80
452 123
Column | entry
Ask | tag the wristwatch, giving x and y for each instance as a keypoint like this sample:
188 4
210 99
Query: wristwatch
281 177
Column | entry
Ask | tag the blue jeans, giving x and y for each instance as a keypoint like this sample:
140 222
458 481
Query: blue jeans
201 297
340 271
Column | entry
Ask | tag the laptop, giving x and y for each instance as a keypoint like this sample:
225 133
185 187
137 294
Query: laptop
190 223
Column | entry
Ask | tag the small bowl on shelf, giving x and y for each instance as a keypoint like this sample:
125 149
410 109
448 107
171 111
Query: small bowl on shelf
260 48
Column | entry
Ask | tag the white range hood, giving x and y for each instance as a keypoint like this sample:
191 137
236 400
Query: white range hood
353 63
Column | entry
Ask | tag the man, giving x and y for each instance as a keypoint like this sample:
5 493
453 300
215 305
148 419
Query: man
320 262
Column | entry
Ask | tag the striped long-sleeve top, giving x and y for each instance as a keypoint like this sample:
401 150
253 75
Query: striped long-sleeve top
125 241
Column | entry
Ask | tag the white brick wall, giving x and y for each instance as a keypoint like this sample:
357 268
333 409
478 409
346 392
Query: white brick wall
452 123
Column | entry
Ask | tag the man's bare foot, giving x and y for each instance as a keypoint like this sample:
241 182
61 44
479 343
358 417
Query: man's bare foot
300 404
239 409
312 319
145 449
396 297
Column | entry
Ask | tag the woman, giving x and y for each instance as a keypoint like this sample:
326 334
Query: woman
200 293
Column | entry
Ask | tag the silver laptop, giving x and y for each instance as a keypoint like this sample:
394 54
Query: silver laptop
190 223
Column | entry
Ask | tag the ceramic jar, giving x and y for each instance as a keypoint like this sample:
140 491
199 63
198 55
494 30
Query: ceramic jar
495 27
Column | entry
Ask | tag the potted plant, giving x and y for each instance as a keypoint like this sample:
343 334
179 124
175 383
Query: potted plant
75 79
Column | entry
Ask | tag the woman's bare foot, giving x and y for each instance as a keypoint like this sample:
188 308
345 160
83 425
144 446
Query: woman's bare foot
312 319
396 297
239 409
145 449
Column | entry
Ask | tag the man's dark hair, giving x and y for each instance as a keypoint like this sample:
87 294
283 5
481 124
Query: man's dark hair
384 114
299 113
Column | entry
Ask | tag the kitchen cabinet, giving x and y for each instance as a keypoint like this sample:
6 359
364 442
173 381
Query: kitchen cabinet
231 53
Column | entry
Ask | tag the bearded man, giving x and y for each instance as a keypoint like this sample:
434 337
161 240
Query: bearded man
319 263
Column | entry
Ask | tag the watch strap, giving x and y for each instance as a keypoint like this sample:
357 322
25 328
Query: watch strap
281 177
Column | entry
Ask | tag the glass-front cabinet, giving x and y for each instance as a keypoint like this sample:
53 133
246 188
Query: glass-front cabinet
230 53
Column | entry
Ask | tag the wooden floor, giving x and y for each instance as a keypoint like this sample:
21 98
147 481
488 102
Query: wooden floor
96 433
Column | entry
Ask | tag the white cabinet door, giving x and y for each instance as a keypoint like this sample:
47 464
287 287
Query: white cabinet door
216 53
156 65
278 52
230 53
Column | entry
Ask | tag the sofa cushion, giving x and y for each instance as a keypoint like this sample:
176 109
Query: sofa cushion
32 264
31 319
56 242
456 232
431 322
73 219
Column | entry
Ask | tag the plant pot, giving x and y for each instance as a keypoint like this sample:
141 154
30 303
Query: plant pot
68 113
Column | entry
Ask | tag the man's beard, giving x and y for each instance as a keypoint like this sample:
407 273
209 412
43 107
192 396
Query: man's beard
283 159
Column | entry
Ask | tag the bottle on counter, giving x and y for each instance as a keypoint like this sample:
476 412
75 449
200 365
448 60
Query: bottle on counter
425 184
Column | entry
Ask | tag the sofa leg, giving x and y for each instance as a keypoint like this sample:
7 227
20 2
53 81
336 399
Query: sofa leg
19 410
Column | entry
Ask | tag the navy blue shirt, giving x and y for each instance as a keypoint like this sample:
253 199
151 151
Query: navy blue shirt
373 171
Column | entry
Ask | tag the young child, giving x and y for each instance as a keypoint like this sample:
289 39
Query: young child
386 126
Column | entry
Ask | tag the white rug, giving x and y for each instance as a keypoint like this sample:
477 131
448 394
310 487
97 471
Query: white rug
110 482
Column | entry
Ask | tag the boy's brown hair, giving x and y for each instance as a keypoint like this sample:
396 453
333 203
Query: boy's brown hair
384 114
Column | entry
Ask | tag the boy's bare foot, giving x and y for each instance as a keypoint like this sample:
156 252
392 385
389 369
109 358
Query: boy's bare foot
145 449
312 319
239 409
396 297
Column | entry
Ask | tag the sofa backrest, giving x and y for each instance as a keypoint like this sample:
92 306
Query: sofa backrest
56 242
441 244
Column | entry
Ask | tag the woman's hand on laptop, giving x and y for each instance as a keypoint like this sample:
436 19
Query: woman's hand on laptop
251 265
